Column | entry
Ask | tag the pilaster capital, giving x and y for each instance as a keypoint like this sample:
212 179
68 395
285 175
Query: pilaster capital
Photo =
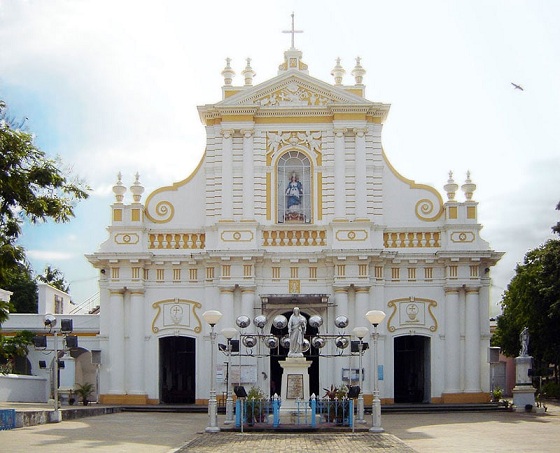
341 289
339 132
247 133
226 290
472 289
227 133
360 131
362 289
248 289
451 289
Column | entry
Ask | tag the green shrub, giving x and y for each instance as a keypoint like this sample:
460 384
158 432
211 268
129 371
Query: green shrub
550 390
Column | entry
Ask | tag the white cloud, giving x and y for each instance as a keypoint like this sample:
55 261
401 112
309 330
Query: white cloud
50 255
113 86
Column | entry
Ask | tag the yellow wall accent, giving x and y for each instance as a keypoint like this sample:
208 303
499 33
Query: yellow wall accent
236 118
124 399
452 210
401 239
471 212
292 119
319 195
283 237
268 197
465 397
357 91
174 240
117 215
135 215
350 116
294 286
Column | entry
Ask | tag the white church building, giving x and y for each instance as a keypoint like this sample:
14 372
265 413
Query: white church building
294 203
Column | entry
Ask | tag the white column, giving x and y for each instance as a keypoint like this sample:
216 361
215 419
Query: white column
362 307
339 174
248 302
226 307
135 353
341 302
472 341
361 175
452 341
116 343
227 175
248 175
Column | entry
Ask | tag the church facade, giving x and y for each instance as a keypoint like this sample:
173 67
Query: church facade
294 203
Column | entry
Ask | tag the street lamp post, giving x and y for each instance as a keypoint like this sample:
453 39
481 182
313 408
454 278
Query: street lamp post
212 317
361 332
375 317
229 333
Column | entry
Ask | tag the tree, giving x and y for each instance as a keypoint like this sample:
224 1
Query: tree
13 347
5 308
556 228
19 280
32 187
55 278
532 300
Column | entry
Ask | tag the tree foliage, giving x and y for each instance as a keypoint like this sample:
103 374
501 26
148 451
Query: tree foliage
13 347
33 187
556 228
19 280
55 278
532 299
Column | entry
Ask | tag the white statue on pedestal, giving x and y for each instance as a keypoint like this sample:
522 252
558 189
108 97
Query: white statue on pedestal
296 329
524 339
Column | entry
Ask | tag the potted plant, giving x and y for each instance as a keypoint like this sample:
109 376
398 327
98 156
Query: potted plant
337 406
256 406
84 391
497 394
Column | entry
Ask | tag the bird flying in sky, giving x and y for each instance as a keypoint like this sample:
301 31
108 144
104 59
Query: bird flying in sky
517 87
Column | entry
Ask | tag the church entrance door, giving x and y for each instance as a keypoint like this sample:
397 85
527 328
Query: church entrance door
280 354
412 368
177 370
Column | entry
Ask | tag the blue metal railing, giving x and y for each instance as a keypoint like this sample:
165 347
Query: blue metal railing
308 413
7 419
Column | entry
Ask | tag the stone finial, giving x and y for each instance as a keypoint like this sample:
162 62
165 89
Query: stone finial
469 187
228 73
358 72
248 73
338 73
451 187
119 189
137 189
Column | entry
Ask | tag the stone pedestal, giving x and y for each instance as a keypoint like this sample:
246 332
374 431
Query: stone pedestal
295 383
523 392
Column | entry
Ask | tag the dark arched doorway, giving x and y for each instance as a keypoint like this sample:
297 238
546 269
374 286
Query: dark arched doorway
280 354
177 370
412 369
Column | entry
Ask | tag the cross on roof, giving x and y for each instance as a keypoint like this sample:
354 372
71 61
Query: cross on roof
293 31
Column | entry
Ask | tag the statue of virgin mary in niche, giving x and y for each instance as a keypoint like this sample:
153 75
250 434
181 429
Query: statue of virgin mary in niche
294 192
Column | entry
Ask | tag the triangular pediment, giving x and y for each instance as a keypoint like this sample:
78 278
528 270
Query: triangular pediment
293 89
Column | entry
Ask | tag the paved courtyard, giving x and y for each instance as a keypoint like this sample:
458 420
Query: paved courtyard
173 432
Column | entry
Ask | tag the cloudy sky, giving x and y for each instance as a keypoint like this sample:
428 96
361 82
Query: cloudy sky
113 86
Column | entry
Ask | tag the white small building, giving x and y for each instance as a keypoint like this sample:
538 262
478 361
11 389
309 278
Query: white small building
294 202
77 358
